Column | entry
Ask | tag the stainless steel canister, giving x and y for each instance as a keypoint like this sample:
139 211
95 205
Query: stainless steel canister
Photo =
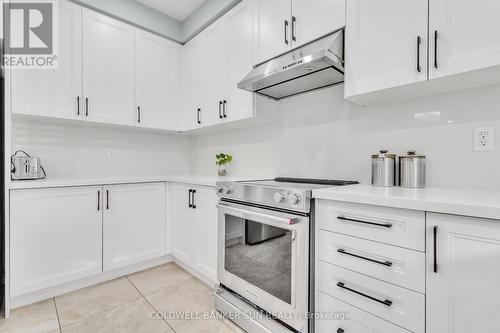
384 169
412 170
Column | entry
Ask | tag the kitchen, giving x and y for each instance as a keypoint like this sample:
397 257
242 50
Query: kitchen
139 181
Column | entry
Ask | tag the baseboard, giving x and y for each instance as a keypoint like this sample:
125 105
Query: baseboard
196 272
18 301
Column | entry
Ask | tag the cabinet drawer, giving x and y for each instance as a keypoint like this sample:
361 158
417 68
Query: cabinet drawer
347 318
398 305
399 266
400 227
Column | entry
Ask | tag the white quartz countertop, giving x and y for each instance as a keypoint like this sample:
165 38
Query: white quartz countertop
62 182
478 203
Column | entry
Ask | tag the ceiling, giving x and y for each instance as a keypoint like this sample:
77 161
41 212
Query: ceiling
177 9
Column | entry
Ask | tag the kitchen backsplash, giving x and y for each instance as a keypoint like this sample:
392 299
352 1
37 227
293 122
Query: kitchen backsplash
72 150
322 135
313 135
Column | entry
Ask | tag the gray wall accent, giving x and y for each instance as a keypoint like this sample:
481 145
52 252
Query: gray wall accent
149 19
205 15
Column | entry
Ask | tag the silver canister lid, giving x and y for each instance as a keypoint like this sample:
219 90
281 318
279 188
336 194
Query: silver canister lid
383 153
411 154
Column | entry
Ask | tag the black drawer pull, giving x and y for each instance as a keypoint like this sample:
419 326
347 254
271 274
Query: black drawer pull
385 302
419 41
385 263
435 232
340 330
385 225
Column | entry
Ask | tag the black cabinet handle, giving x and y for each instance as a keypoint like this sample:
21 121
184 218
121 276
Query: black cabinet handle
107 200
286 32
340 330
190 205
435 232
198 116
435 49
224 109
294 23
385 263
385 302
220 109
77 105
98 200
385 225
138 114
86 106
194 196
419 41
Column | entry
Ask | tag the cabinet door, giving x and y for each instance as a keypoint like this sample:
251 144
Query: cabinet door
462 296
108 69
133 224
239 103
467 36
315 18
192 65
206 216
55 236
213 74
157 82
56 92
184 230
381 44
272 28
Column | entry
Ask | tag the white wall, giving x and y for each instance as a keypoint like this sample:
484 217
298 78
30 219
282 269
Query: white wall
321 135
73 150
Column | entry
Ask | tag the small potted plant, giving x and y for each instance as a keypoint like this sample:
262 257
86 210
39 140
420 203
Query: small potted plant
222 160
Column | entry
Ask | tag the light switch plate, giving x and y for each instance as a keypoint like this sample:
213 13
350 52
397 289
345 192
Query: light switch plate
484 139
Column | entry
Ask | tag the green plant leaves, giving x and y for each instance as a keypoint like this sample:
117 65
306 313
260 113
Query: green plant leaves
223 158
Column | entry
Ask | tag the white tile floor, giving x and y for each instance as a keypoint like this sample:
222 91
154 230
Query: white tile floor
126 305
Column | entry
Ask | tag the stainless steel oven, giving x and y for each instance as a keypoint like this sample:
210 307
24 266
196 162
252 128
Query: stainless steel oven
264 249
272 273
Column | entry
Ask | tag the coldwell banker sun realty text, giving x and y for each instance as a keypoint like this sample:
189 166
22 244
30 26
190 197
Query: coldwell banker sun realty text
30 34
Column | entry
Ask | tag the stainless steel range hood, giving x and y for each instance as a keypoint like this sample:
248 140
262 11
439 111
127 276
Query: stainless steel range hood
313 66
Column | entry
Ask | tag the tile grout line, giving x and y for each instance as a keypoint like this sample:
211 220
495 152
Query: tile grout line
101 312
171 328
57 314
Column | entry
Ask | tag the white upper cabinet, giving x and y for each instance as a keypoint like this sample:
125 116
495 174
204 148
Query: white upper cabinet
239 104
214 62
213 78
314 18
133 223
55 237
157 81
56 92
108 69
281 25
385 44
467 35
462 293
272 28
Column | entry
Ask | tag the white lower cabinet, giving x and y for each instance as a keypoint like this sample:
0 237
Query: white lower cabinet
55 237
346 319
194 228
60 235
133 223
462 293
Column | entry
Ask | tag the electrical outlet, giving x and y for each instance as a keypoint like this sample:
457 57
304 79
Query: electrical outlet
484 138
112 154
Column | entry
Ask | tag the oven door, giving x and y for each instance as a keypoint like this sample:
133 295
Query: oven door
263 256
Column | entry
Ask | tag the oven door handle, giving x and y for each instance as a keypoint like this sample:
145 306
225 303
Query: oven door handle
248 215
